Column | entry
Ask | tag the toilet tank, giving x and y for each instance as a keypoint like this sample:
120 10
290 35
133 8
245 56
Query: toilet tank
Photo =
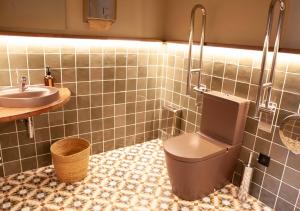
224 117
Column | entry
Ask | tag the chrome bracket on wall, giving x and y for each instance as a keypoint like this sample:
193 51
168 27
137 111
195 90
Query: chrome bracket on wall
199 95
267 116
170 121
200 89
30 126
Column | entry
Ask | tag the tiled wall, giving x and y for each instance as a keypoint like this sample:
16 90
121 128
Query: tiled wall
115 95
118 88
236 72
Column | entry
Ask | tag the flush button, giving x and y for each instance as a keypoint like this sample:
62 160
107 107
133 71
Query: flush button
264 160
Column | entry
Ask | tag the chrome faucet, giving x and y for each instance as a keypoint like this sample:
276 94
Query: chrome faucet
23 83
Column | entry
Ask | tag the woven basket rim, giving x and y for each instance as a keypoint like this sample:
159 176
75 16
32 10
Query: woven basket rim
73 139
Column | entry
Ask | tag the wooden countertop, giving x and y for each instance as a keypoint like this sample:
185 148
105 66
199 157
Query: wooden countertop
11 114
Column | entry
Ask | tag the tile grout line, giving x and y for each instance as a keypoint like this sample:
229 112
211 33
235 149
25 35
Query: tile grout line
102 94
48 119
90 98
10 77
114 94
76 81
251 75
61 72
137 61
223 75
297 200
145 113
287 156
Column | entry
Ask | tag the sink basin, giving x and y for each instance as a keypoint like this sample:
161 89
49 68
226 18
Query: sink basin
33 96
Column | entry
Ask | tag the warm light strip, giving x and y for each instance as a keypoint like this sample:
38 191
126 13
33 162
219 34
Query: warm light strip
234 52
78 42
213 50
208 50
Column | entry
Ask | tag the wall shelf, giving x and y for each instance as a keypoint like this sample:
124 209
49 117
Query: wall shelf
11 114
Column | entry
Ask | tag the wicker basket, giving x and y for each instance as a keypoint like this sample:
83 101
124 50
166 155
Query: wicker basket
70 159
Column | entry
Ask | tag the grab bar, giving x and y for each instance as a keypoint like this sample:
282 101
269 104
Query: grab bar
191 38
263 98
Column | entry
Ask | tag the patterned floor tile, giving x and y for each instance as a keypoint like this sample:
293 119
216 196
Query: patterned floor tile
8 187
98 205
57 200
70 188
78 203
106 194
9 203
23 191
132 178
39 195
27 206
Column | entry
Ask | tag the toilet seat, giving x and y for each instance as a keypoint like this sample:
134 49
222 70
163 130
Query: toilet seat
194 147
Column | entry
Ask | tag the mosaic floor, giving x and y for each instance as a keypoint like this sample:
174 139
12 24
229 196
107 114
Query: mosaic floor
132 178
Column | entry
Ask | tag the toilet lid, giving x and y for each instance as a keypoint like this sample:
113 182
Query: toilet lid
193 147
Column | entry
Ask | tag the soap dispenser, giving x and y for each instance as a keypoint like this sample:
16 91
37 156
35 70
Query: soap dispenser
48 79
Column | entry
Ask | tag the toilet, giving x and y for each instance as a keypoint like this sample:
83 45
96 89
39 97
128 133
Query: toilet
199 163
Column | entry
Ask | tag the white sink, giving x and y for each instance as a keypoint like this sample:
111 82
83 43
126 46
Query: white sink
32 96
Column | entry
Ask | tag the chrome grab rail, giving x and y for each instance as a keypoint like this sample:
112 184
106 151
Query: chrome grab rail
191 38
263 98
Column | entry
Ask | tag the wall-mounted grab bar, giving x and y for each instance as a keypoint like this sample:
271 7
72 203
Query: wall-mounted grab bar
200 87
265 89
